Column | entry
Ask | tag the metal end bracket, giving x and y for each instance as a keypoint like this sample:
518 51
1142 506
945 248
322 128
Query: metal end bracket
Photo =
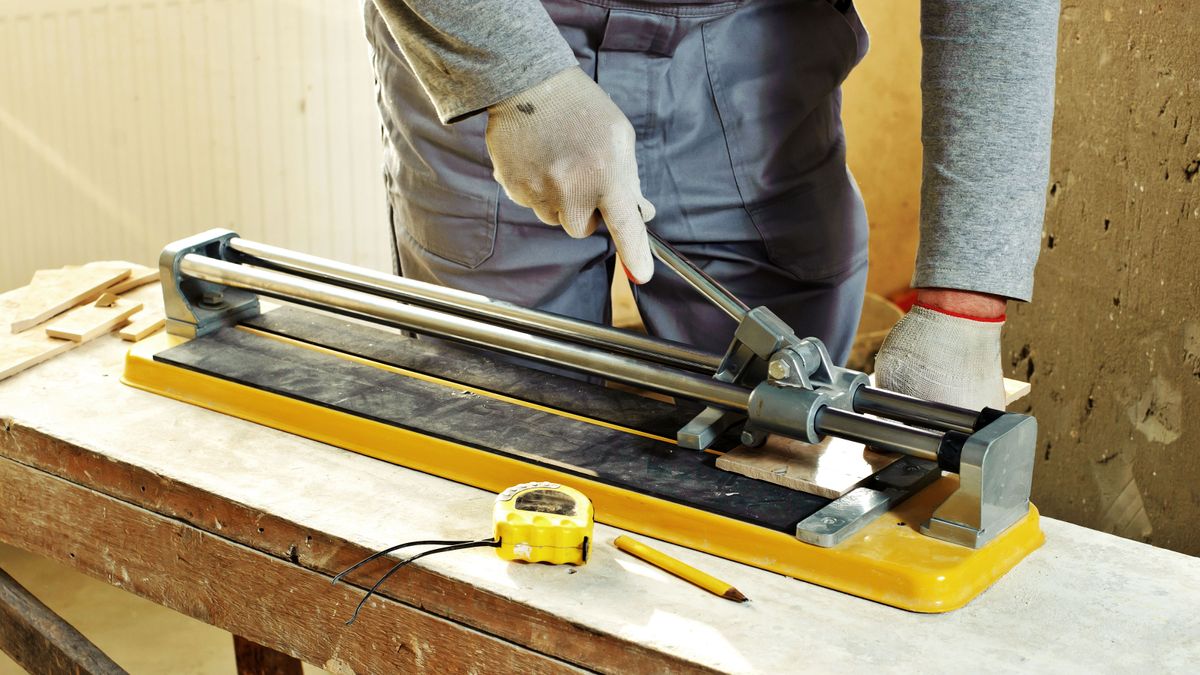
194 307
995 478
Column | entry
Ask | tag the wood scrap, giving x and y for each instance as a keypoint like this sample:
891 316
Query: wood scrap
52 292
142 325
21 351
106 300
89 322
139 275
26 350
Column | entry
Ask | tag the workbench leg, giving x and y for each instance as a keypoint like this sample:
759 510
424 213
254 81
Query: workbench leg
40 641
255 659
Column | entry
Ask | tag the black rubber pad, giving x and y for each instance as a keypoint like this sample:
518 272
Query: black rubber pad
597 453
482 370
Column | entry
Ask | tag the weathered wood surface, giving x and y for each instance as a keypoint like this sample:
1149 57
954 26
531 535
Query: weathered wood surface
40 641
1113 604
270 601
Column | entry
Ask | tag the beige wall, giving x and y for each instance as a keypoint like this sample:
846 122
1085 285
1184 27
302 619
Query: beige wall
125 124
882 114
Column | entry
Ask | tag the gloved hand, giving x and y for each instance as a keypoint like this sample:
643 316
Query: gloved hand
564 149
945 357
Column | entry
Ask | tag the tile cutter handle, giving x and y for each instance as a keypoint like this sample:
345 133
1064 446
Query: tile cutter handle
696 277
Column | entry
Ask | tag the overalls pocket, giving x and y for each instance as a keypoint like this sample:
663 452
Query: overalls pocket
775 69
456 225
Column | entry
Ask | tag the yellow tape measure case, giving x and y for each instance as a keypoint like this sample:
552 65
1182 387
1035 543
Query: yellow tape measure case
543 522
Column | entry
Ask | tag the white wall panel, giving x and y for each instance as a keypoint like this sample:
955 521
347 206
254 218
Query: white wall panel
126 124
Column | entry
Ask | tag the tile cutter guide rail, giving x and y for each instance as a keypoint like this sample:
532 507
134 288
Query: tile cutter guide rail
927 533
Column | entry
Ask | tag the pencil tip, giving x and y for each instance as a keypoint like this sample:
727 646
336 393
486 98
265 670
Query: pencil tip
735 595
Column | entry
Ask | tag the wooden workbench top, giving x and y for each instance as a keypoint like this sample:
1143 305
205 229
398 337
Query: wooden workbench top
243 526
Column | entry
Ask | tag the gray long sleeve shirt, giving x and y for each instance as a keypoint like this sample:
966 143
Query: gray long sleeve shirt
988 97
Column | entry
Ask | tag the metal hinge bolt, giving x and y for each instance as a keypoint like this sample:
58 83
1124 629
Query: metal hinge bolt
779 369
212 299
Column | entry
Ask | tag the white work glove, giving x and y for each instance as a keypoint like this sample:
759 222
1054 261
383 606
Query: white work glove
565 150
945 358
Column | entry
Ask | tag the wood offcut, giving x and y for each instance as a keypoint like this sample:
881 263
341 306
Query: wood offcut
53 292
142 325
89 322
139 275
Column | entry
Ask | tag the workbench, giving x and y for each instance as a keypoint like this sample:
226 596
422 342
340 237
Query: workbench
243 527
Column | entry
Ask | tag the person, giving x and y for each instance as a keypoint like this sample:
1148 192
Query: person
717 124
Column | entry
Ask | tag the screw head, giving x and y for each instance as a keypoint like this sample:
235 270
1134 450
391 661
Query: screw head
779 369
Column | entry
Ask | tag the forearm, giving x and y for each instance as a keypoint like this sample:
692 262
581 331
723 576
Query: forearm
470 54
988 98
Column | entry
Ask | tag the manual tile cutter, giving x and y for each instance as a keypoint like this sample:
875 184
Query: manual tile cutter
927 533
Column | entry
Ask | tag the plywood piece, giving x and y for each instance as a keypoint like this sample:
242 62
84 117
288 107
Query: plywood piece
53 292
142 325
89 322
829 469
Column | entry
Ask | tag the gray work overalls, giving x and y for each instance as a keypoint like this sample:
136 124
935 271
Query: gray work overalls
740 148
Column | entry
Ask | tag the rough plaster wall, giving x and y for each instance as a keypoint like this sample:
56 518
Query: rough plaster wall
1112 339
882 112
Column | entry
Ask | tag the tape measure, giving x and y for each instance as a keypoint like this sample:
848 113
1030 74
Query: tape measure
532 522
543 523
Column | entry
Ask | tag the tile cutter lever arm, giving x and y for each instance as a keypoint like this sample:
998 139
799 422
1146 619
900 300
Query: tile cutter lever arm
772 379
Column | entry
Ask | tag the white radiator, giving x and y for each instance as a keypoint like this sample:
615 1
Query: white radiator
124 125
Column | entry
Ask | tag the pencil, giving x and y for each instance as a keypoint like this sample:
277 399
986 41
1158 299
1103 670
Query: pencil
680 569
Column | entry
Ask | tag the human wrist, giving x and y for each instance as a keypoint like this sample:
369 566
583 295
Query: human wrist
963 304
562 89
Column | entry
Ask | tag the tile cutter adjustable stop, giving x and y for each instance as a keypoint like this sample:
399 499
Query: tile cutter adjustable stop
769 381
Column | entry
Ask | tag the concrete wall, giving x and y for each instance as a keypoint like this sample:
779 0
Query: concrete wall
1112 339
